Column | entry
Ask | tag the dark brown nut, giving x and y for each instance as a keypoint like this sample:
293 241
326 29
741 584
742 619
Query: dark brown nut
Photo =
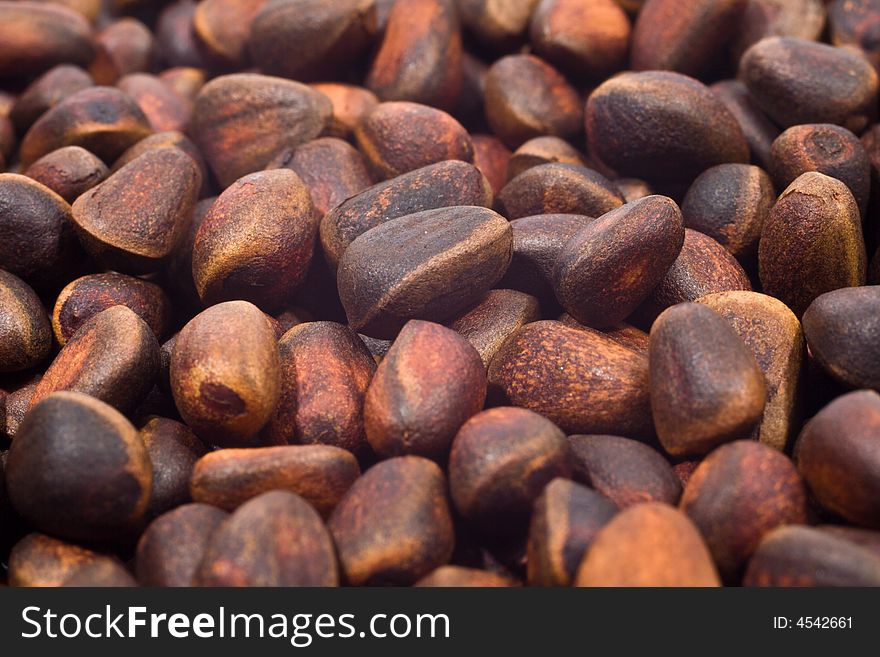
805 556
774 335
40 560
135 219
811 242
331 168
565 521
590 39
491 157
25 334
394 526
580 379
69 172
625 471
241 121
377 348
825 148
78 469
103 574
176 41
225 373
438 185
854 23
178 272
113 357
160 140
103 120
459 577
609 267
320 474
325 371
164 108
35 37
542 150
350 104
623 334
45 92
418 399
797 81
558 189
537 241
500 462
37 241
838 455
184 81
16 407
633 189
275 539
256 241
443 261
526 98
650 544
173 450
866 538
706 386
759 131
499 25
332 38
684 470
222 28
729 202
738 494
122 47
659 125
804 19
489 324
420 59
85 297
171 548
399 137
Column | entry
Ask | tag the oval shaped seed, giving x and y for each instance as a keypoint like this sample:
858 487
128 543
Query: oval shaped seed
649 544
491 157
77 469
275 539
759 130
542 150
811 242
350 104
458 577
123 46
173 450
25 335
222 28
500 25
38 560
35 37
804 19
697 129
69 171
623 334
798 81
565 522
168 139
164 108
46 91
609 267
443 261
706 387
393 526
175 37
854 23
320 474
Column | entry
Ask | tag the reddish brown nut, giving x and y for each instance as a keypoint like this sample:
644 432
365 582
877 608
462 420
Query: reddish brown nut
609 267
25 335
85 297
38 560
804 19
173 450
625 115
185 81
838 454
444 260
135 219
797 81
491 157
804 556
77 469
46 91
113 357
633 189
459 577
526 98
438 185
35 37
398 137
176 41
565 521
178 272
624 334
16 407
103 574
580 379
171 548
169 139
729 202
706 387
241 121
320 474
811 242
427 385
222 28
759 131
164 108
69 172
542 150
122 47
854 23
256 241
225 373
350 104
558 189
650 544
625 471
499 25
739 493
420 59
393 526
774 335
684 470
275 539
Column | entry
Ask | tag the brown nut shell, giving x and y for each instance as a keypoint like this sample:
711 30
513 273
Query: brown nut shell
350 104
222 29
164 108
38 560
35 37
174 451
491 157
69 171
499 25
25 336
122 47
759 130
542 150
46 91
